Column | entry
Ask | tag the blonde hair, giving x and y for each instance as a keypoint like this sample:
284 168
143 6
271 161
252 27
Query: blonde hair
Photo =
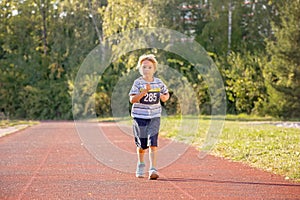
144 57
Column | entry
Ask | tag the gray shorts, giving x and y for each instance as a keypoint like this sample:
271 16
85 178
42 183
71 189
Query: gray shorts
146 132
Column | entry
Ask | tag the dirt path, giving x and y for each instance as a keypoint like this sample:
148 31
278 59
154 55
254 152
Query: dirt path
49 161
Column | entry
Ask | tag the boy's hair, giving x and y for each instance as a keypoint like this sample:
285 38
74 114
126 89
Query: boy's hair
144 57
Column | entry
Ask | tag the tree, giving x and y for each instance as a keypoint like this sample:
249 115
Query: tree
282 73
40 55
44 42
256 24
244 82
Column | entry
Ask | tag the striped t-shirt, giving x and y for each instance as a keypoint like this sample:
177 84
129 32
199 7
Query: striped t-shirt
149 106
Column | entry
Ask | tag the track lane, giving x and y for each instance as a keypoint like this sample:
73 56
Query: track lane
48 161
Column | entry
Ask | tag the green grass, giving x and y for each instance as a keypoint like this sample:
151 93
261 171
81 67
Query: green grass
265 146
261 145
9 123
244 117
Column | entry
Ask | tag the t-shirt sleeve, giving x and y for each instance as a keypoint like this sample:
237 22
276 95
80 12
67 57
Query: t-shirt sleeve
163 88
134 89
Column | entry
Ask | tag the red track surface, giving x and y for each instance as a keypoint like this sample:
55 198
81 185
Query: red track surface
48 161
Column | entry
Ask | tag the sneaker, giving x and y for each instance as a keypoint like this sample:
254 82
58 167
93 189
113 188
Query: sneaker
153 174
140 170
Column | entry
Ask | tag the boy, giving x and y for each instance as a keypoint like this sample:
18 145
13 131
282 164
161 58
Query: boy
145 95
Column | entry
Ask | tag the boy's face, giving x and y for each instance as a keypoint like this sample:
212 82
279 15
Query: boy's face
148 68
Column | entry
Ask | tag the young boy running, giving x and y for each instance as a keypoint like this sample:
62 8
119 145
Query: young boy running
145 95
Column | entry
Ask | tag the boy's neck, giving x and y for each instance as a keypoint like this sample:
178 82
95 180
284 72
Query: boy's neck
148 78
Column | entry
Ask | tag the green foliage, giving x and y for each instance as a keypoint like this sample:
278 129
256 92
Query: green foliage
42 49
282 73
196 82
244 82
122 15
43 44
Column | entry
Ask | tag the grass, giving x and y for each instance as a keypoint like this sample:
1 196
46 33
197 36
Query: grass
262 145
265 146
9 123
245 117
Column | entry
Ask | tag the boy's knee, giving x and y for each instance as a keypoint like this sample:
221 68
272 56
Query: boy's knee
153 148
141 150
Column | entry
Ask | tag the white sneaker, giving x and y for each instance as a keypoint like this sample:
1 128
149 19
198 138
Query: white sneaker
153 174
140 170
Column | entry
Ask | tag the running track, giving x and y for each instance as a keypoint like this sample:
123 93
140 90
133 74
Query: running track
49 161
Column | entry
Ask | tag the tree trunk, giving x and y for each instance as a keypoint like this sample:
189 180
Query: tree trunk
43 9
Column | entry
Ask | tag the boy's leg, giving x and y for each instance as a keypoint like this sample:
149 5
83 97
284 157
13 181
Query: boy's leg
141 164
153 143
153 174
152 156
139 128
140 153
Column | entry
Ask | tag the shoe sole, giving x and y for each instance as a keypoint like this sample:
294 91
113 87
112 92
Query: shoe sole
139 176
153 177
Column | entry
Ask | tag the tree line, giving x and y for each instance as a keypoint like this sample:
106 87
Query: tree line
254 43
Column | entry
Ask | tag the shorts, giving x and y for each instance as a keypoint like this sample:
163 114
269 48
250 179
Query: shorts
146 132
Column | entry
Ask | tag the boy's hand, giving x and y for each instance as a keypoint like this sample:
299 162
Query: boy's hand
138 97
164 97
148 87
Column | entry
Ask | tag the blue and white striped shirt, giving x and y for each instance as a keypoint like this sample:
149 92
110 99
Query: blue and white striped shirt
149 106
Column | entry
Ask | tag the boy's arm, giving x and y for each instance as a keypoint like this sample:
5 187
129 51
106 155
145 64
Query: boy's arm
164 95
137 97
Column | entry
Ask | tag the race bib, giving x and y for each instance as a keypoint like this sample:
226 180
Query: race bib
151 98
